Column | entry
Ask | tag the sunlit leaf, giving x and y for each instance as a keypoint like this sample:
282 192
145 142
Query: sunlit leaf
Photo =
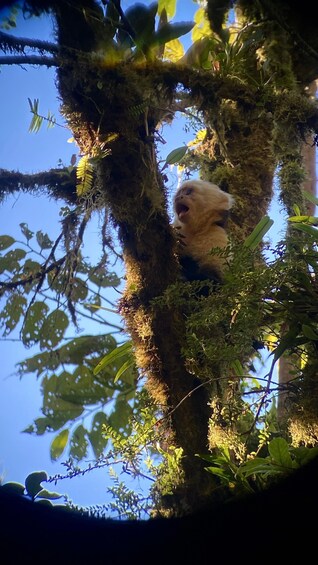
169 6
255 238
202 28
127 365
114 355
58 444
176 155
84 175
49 494
174 50
312 220
306 229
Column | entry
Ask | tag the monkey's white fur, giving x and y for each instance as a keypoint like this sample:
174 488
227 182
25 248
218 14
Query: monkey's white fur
201 209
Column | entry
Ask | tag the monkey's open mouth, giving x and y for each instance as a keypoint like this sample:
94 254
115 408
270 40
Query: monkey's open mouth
181 210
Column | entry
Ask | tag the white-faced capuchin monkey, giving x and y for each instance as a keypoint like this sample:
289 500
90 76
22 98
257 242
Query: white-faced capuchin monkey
201 211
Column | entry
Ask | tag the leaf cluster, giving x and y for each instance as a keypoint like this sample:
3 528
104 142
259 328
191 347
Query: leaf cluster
257 473
33 489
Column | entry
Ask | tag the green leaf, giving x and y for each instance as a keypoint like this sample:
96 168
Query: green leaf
254 239
287 341
10 261
44 502
79 443
169 6
49 494
78 290
31 331
304 454
124 349
279 452
96 437
168 32
119 418
306 229
68 392
43 240
219 473
80 348
176 155
31 267
28 234
12 312
311 197
238 368
309 332
13 488
256 466
312 220
58 444
60 400
102 278
53 329
39 427
142 21
6 241
127 365
33 482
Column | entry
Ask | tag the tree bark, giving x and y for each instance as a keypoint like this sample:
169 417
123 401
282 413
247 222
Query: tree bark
286 364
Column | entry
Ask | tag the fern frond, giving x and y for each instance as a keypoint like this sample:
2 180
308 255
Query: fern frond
138 108
84 175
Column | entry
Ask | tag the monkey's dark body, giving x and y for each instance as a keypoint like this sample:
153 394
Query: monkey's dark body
192 271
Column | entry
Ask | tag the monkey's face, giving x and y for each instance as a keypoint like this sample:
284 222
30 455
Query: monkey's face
183 201
197 202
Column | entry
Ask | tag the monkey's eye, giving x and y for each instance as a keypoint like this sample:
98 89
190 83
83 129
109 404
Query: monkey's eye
187 190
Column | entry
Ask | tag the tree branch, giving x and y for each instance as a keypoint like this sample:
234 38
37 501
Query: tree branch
11 44
10 285
59 183
29 60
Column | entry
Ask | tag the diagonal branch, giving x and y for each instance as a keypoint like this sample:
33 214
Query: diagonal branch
10 285
59 183
29 60
11 44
